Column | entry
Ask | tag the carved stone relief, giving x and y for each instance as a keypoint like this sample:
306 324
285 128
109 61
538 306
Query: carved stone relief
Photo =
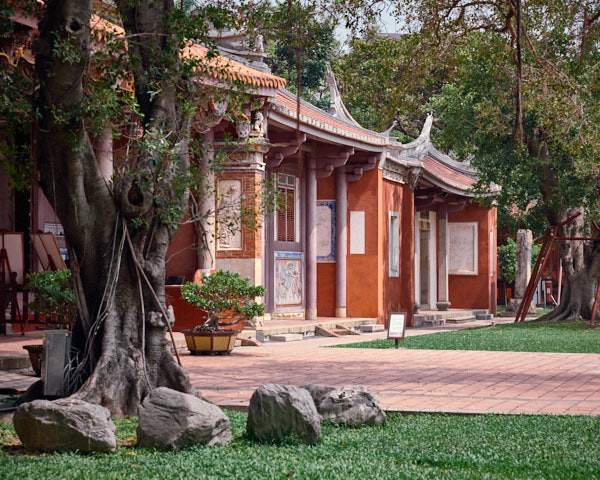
229 215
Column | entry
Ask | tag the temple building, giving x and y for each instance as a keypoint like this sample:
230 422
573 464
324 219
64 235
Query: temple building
367 225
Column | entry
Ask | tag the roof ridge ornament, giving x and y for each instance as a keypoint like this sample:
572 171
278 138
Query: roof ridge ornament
420 146
389 130
426 131
336 104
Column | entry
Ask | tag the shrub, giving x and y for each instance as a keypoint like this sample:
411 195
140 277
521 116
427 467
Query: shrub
224 293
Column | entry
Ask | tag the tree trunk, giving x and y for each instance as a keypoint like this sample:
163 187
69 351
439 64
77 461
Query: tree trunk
581 266
580 259
119 342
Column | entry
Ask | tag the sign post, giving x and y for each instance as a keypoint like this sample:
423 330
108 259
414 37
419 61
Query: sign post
397 326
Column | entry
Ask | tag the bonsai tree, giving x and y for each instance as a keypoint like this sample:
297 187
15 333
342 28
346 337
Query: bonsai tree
54 297
223 294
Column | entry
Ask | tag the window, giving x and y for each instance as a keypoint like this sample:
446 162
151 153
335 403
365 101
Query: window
285 219
394 243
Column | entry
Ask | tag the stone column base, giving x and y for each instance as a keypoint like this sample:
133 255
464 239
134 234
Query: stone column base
340 312
443 306
311 314
256 323
514 303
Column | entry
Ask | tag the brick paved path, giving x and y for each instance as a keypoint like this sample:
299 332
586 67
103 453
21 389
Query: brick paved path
461 381
411 380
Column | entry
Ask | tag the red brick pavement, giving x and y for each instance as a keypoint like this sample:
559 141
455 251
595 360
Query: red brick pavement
421 380
461 381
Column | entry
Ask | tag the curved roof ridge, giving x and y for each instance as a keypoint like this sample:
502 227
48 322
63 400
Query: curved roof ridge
337 108
286 103
422 147
423 141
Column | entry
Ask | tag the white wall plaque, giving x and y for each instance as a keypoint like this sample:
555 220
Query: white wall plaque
462 251
357 232
492 243
394 244
326 231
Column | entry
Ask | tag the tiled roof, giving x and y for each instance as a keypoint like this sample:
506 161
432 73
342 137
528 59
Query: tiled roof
232 70
286 104
219 65
447 174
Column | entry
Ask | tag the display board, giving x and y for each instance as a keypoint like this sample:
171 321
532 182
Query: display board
397 326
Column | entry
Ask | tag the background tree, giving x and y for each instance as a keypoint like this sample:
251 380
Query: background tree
300 42
520 98
387 80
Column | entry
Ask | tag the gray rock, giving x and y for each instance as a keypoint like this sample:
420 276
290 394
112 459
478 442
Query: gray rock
65 424
280 411
172 419
353 404
317 392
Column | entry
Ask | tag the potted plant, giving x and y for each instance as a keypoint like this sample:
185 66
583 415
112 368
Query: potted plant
228 300
55 304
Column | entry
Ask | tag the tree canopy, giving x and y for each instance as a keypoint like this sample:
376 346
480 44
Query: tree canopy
515 89
460 61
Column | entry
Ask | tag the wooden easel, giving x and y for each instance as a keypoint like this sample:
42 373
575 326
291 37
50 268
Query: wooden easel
48 253
9 284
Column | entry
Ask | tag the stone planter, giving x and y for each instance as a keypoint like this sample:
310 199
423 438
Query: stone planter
35 356
209 343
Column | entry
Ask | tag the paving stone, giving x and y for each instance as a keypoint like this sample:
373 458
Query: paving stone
15 362
433 380
287 337
378 327
462 319
343 330
433 322
325 332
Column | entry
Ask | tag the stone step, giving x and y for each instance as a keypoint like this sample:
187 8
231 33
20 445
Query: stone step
484 316
321 331
287 337
342 330
378 327
180 342
460 319
432 322
15 362
249 342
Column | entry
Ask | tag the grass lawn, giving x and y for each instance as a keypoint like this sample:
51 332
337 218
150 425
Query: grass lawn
406 447
564 337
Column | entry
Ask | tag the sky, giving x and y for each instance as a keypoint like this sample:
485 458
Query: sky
387 23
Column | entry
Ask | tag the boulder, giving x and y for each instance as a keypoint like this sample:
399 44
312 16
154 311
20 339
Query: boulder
353 404
172 419
277 412
317 392
65 424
